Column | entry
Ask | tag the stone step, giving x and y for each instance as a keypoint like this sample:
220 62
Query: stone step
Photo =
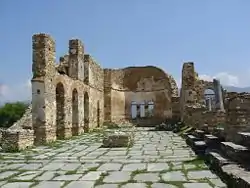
217 160
190 139
213 142
236 176
220 133
236 152
199 133
199 147
244 138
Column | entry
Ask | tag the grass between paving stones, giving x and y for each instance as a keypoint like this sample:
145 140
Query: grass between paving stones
100 180
71 172
55 144
9 177
134 173
12 179
66 183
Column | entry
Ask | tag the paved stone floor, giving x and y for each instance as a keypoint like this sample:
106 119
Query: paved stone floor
156 160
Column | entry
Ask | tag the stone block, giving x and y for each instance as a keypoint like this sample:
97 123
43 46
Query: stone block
217 160
118 139
236 176
244 138
199 147
199 133
212 141
191 139
15 140
236 152
220 133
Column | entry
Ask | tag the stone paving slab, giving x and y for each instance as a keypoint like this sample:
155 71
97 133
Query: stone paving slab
158 159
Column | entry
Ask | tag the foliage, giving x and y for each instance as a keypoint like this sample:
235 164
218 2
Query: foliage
12 112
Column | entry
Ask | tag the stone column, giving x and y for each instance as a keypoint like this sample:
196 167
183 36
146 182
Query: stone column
43 89
209 104
218 95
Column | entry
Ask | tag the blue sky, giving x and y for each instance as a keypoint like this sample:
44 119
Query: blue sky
119 33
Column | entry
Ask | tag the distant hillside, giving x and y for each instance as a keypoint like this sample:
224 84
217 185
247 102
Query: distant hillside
237 89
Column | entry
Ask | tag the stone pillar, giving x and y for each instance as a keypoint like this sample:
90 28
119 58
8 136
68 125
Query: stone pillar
218 95
107 96
43 89
87 59
76 59
209 104
188 94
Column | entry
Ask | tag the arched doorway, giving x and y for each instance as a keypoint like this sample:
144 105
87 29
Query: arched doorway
209 96
75 113
86 112
150 109
133 110
98 113
142 109
60 111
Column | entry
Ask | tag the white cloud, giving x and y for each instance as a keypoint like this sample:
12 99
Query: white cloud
3 90
224 77
17 92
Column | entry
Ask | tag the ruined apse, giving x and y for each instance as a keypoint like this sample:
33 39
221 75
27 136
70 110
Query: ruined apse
77 94
140 86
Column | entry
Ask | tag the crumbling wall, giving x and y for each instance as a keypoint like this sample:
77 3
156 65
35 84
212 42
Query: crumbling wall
96 79
148 84
237 106
176 108
117 95
137 84
238 109
15 140
192 99
175 98
188 97
68 98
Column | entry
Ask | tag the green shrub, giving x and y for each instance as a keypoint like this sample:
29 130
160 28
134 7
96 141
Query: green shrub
12 112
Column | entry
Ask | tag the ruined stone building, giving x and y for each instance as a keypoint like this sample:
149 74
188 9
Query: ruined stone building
77 95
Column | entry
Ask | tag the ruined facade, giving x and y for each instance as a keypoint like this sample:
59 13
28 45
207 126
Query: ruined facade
231 111
77 95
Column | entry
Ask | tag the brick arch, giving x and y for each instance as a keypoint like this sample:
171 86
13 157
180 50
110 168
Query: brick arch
58 79
75 112
208 85
133 74
150 83
86 111
75 86
60 110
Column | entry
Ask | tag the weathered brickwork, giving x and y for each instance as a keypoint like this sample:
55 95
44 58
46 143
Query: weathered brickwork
138 84
66 99
194 112
77 95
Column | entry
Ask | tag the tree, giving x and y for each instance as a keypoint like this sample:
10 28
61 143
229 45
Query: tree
12 112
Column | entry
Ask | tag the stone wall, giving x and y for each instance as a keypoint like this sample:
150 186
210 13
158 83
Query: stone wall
66 99
76 94
188 95
14 140
237 107
138 84
176 108
192 100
